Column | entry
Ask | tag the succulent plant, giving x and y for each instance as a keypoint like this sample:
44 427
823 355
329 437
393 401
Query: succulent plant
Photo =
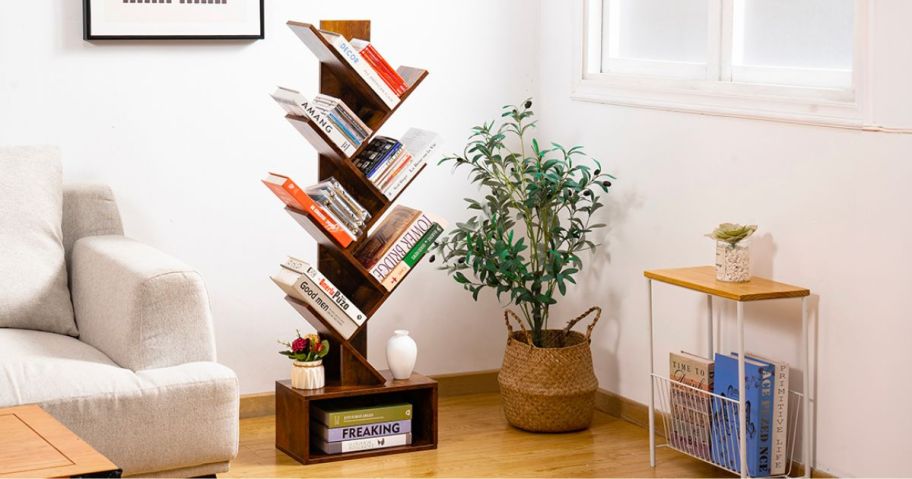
732 233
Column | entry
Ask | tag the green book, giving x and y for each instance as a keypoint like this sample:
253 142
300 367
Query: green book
413 256
355 417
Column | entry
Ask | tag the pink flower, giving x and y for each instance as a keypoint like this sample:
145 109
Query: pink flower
298 345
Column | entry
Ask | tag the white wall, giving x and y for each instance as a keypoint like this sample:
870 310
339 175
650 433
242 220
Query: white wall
833 210
183 132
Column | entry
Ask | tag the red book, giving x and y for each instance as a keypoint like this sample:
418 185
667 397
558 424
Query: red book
381 66
294 197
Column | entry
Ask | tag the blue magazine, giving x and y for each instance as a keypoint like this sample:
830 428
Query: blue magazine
725 446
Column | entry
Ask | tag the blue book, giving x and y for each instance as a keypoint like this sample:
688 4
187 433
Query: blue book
767 400
725 447
377 165
348 133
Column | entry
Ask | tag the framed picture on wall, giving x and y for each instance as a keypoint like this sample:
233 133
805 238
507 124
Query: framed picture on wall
172 19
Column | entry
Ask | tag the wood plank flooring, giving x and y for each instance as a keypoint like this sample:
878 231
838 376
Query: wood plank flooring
476 441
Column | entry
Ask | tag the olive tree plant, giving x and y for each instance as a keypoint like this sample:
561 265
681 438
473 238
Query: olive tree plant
527 232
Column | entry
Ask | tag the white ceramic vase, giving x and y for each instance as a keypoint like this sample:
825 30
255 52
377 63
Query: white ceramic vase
401 353
733 262
307 374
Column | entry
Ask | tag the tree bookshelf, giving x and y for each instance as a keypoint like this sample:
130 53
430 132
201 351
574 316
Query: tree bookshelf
351 381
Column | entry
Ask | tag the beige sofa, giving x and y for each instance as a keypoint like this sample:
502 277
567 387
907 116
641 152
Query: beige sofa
140 382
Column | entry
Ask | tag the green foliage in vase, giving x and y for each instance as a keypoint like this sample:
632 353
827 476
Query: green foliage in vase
732 233
528 231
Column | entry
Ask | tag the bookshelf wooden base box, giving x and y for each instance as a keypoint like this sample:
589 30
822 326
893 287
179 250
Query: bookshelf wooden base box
294 412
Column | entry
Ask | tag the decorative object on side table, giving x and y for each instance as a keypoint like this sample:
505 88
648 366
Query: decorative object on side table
307 368
401 353
732 252
532 224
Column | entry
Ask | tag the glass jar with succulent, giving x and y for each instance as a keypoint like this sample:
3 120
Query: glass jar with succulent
307 352
525 241
732 251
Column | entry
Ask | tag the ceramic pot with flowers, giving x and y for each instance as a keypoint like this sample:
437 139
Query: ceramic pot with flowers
307 353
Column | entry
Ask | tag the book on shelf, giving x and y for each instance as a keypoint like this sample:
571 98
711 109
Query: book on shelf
378 173
354 445
375 156
297 104
778 440
333 197
364 431
300 202
344 417
383 182
343 117
304 289
725 448
691 410
346 305
421 144
396 222
413 257
357 62
390 76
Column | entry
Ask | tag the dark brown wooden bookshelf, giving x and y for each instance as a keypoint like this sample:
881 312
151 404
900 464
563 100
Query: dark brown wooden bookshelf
350 379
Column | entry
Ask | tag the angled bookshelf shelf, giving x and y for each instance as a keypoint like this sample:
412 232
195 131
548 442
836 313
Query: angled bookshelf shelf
350 378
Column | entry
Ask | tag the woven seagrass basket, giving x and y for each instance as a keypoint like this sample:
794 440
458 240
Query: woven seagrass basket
549 389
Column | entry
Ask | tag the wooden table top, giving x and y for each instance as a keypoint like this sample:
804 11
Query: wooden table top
703 279
34 444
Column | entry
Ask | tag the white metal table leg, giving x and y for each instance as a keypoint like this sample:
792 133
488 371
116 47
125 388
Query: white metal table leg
709 327
806 407
652 432
742 396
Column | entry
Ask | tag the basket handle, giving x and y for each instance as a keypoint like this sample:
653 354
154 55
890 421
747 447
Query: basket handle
572 322
507 314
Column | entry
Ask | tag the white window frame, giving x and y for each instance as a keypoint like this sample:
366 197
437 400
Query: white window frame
713 92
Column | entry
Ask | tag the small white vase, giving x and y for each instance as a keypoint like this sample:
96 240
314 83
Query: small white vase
307 374
401 353
733 262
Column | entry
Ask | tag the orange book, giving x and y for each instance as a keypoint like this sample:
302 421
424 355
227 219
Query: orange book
294 197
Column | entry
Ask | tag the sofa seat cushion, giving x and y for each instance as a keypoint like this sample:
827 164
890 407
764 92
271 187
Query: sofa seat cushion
33 277
150 420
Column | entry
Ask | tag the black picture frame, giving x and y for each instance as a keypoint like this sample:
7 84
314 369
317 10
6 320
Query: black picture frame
88 35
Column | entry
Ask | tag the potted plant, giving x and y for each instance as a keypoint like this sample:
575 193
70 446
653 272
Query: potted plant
524 242
307 353
732 252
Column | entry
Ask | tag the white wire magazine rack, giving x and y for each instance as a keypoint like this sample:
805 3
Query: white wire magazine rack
688 416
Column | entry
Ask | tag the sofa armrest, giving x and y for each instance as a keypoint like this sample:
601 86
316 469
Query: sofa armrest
138 305
88 210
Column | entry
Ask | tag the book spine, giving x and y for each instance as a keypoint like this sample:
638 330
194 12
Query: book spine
403 178
386 72
411 259
391 175
355 139
362 432
378 167
325 124
358 417
765 420
307 291
780 420
294 197
335 295
403 245
364 70
364 444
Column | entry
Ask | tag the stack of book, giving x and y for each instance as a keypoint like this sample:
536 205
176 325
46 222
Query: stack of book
340 124
337 431
326 203
707 426
397 245
371 67
390 164
302 281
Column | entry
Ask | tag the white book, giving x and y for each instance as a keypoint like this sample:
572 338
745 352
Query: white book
301 287
779 439
297 104
362 67
340 447
421 144
325 285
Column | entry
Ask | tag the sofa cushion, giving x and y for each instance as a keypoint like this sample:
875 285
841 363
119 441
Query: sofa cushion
152 420
33 278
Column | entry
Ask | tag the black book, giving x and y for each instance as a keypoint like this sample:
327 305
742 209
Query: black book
378 151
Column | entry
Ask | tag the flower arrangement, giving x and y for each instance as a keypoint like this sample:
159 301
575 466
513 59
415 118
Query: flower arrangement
305 348
732 233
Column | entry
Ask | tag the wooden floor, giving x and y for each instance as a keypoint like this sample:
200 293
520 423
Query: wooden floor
476 441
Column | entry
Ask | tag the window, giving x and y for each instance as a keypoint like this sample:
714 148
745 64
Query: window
795 59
